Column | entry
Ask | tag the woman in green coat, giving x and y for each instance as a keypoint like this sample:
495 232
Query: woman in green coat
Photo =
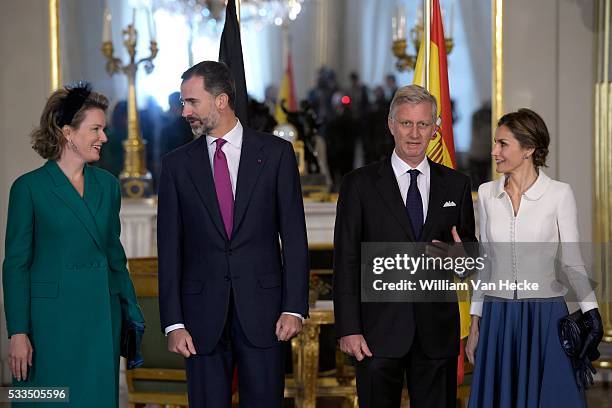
66 285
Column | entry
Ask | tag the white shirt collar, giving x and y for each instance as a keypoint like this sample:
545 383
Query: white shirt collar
233 137
534 192
400 167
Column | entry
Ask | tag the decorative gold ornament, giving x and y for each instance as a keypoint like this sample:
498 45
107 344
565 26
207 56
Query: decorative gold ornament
136 180
405 61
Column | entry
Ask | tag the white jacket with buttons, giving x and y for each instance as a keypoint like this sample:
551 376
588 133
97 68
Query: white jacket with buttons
533 245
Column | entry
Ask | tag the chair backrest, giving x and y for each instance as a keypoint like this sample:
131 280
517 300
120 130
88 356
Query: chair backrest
162 371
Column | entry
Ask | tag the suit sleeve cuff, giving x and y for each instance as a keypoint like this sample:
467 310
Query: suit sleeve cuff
295 314
173 327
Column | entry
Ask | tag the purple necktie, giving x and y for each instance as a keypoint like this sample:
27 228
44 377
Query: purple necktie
223 185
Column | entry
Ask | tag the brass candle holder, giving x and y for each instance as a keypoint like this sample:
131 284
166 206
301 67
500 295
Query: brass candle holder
407 62
136 180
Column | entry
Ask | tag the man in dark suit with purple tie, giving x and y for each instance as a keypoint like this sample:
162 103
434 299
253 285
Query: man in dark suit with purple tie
231 292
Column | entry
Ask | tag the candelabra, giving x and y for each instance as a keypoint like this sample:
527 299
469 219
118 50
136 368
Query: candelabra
405 61
136 180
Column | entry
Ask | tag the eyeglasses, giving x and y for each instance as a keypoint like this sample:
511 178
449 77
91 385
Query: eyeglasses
409 125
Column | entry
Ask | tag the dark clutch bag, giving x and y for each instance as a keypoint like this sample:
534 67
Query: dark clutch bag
573 330
571 334
131 339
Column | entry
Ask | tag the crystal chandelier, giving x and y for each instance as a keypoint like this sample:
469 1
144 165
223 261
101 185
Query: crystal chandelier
277 12
260 12
197 10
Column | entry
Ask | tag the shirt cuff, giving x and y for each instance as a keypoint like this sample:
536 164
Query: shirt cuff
295 314
476 308
173 327
588 303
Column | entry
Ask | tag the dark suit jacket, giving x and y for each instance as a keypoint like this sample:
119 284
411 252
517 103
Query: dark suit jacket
371 209
199 265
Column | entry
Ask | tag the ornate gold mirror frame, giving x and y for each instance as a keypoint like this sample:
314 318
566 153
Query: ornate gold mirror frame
602 211
602 214
497 63
54 44
497 107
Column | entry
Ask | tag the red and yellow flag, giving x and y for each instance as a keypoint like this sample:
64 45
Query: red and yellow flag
442 148
286 93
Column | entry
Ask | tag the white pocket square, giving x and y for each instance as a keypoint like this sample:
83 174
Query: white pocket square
449 204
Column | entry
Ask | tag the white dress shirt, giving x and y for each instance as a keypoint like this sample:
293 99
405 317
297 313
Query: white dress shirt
232 149
400 168
525 247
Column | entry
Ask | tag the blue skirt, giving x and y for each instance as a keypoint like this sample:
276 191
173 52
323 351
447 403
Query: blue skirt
519 359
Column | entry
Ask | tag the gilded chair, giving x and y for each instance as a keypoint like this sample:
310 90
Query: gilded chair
319 368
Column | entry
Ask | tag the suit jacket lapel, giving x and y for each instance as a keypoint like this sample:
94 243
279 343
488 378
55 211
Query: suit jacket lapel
67 193
437 186
252 161
201 176
389 190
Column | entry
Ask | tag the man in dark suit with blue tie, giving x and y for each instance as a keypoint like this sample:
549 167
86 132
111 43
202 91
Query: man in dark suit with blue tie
233 255
405 198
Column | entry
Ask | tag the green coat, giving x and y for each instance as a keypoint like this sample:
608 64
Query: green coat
66 283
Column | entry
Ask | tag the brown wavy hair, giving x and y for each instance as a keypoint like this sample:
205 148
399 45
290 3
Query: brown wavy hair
48 139
530 131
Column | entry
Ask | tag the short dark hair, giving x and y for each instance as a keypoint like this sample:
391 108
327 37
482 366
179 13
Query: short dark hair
530 131
217 79
47 138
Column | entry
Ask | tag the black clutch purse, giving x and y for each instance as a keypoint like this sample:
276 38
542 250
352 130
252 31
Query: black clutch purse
573 331
131 339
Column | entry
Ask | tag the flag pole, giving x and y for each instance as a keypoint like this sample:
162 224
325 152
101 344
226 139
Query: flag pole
427 36
286 44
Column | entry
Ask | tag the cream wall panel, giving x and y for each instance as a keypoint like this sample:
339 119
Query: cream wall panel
549 66
577 66
24 79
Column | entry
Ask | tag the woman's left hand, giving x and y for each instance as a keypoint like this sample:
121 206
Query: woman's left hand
592 320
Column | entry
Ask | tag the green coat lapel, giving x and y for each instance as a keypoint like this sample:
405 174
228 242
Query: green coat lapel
84 208
93 191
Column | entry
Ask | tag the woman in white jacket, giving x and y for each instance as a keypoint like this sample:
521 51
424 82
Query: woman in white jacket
524 217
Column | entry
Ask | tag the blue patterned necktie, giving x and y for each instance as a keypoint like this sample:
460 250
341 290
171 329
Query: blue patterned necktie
414 205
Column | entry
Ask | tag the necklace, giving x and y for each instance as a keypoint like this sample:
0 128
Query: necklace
531 183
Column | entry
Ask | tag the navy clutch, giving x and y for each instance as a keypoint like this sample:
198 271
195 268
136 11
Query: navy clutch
573 330
131 339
